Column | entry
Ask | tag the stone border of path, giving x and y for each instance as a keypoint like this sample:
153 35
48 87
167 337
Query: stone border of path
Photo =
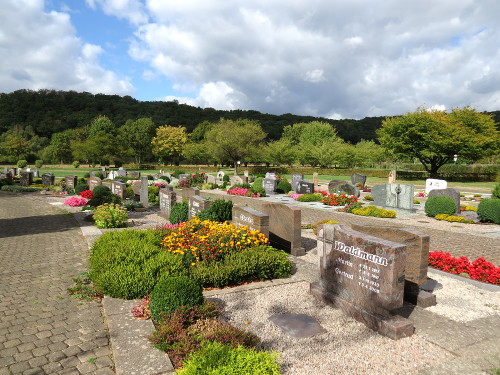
477 284
132 352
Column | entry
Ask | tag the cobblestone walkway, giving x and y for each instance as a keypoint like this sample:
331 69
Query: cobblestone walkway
42 329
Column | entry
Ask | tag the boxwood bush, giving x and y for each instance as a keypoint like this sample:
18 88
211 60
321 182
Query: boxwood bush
489 210
220 210
440 205
102 194
128 264
171 293
179 213
283 187
314 197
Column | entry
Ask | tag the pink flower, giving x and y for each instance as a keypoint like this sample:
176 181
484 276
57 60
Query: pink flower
75 202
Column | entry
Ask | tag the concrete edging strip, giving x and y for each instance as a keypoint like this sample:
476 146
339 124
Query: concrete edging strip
478 284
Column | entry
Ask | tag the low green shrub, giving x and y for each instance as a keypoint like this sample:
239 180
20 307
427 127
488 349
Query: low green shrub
76 164
131 205
374 211
226 178
153 197
218 358
101 195
220 210
495 193
110 215
129 192
179 213
453 218
81 187
38 164
128 264
22 163
314 197
257 263
283 187
489 210
20 189
440 205
173 292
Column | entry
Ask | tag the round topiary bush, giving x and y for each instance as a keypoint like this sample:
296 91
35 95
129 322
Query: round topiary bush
173 292
283 187
102 194
179 213
440 205
495 193
22 163
38 163
81 187
489 210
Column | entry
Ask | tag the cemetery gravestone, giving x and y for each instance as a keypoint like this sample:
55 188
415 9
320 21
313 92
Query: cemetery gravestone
197 204
36 173
48 179
143 192
269 185
284 227
210 179
255 220
431 184
93 182
393 195
119 189
121 172
332 185
447 192
188 192
416 264
167 200
71 181
270 175
26 178
358 179
235 180
244 180
391 178
295 181
245 173
134 174
305 187
315 179
364 276
112 175
348 189
220 175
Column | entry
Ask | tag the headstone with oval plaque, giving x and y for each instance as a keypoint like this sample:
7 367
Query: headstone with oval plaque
365 277
48 179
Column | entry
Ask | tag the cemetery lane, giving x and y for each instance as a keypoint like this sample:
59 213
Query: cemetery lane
43 330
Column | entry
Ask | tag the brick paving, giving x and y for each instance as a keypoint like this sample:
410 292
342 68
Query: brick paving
43 330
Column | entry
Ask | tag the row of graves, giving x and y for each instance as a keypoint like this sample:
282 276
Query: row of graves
25 175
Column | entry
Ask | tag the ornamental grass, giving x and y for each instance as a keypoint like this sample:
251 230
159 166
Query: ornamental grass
207 240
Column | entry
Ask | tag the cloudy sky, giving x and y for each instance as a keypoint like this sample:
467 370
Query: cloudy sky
330 58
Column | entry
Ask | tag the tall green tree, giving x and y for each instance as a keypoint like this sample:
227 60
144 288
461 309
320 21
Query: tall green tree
14 147
101 124
434 137
169 142
136 135
234 140
60 146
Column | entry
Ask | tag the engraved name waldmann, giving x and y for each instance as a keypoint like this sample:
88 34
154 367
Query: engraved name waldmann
368 276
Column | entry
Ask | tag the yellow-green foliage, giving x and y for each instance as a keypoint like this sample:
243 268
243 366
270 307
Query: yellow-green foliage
470 208
374 211
453 218
326 221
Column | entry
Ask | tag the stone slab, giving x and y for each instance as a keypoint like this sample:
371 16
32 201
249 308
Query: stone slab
127 336
255 220
297 325
285 227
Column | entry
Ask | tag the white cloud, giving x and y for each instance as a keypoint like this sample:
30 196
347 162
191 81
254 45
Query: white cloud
40 51
363 59
131 10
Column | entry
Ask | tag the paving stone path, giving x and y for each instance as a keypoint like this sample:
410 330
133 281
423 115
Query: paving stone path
43 330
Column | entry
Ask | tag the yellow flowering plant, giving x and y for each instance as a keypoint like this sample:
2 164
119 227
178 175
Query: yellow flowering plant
210 241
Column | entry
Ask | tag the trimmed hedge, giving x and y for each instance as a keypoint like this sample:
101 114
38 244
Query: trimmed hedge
440 205
489 210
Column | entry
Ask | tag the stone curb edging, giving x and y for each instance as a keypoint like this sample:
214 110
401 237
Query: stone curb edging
477 284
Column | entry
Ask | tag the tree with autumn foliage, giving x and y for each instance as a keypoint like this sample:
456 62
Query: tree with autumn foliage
169 142
434 137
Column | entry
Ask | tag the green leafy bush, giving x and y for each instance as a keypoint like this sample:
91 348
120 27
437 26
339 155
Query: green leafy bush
496 191
314 197
489 210
257 184
22 163
220 210
283 186
102 194
257 263
76 164
38 163
222 359
128 263
170 293
374 211
440 205
81 187
225 178
153 197
110 215
179 213
129 192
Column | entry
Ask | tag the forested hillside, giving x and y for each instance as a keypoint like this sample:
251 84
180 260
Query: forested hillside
48 112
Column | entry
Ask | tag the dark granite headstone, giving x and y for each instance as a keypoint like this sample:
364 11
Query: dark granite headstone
285 227
448 192
295 181
48 179
332 185
167 200
269 185
358 178
305 187
71 181
348 189
119 189
297 325
197 204
365 277
255 220
26 178
6 176
93 182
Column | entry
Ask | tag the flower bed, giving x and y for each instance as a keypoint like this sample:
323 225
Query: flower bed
339 200
87 194
75 202
479 269
243 192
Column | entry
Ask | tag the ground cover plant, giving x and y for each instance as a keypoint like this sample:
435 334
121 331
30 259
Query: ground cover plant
479 269
374 211
109 215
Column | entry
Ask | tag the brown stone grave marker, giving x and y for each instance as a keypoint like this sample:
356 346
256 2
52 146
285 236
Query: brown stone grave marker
25 178
315 179
417 254
71 181
255 220
119 189
143 192
364 276
167 200
332 185
93 182
197 204
187 192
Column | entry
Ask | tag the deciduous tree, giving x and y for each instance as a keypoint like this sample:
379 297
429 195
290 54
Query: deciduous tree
169 142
